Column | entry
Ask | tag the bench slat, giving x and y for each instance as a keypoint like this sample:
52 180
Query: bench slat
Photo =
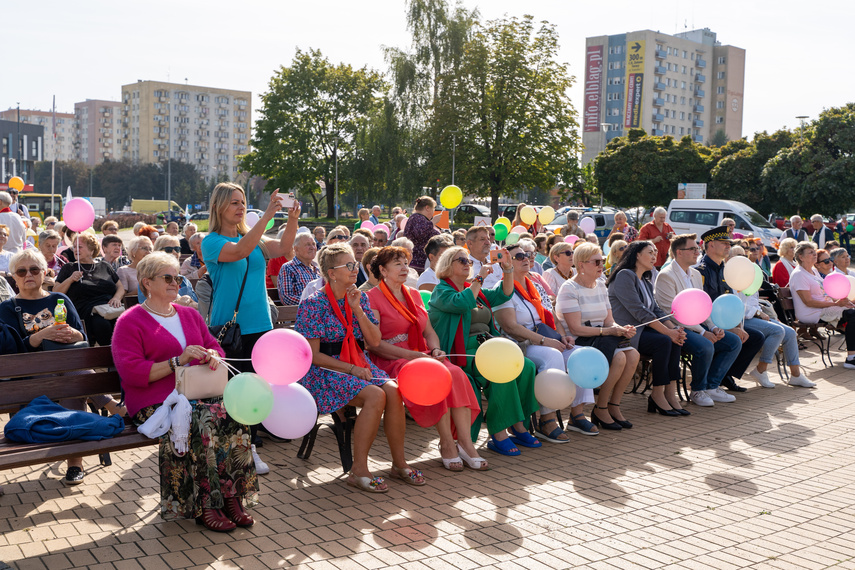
54 362
17 393
13 455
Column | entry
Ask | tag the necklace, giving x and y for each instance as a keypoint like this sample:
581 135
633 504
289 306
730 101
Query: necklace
565 277
168 313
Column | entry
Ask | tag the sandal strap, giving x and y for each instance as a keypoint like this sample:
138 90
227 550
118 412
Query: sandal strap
615 405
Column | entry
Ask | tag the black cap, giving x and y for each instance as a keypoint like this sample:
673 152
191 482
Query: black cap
716 234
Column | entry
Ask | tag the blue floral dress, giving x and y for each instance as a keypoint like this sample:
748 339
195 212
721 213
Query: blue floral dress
316 319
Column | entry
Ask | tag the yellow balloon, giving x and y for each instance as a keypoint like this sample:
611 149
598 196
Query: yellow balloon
528 215
504 221
546 215
499 360
17 183
450 197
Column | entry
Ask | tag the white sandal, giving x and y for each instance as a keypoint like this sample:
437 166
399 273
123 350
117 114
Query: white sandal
476 463
453 464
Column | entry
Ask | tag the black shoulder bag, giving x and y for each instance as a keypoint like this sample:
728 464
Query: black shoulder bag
228 335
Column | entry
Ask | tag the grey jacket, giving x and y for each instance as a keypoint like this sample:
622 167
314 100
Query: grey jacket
627 300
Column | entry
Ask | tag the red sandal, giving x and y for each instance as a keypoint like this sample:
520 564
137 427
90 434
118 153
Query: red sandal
234 510
215 520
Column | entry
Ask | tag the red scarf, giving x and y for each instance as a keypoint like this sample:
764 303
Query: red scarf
531 295
415 338
459 343
350 351
4 210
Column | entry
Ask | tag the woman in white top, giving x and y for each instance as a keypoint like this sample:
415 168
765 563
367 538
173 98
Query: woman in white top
841 260
583 305
434 249
561 256
138 248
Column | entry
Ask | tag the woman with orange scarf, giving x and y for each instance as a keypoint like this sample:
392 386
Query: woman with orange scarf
528 317
407 335
338 323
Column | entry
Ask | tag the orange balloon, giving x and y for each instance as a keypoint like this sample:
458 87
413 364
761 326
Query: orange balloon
17 183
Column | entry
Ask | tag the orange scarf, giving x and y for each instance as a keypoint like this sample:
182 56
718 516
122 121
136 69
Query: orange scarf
350 351
531 295
415 338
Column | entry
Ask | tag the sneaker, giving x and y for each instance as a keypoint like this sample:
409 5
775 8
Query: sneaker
701 398
802 380
74 476
719 395
761 378
849 362
261 467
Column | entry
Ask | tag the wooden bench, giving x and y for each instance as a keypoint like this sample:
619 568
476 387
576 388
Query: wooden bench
28 376
287 317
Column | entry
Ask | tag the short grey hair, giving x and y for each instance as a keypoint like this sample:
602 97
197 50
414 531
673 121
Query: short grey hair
794 218
816 218
406 243
48 234
303 236
659 210
31 254
196 237
525 242
5 199
136 243
837 252
192 226
800 249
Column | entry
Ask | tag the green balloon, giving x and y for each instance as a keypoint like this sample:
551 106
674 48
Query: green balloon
501 231
425 297
513 238
269 225
756 284
248 398
849 228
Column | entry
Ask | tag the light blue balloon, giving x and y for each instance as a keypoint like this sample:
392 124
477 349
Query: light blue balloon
587 367
606 248
727 311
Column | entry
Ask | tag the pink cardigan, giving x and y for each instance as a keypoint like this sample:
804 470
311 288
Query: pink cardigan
139 341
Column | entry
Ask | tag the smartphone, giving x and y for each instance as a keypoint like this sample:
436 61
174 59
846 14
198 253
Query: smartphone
287 201
494 256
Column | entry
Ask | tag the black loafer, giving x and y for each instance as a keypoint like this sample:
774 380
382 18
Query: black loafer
74 476
730 384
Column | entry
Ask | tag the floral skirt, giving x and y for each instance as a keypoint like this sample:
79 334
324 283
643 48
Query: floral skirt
217 466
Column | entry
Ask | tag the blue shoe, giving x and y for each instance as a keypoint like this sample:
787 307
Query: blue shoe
524 439
503 447
582 425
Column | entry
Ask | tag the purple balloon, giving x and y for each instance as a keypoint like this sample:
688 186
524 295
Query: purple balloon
294 412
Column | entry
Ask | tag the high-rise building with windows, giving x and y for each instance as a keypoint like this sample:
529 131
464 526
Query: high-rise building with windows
61 147
203 126
98 131
685 84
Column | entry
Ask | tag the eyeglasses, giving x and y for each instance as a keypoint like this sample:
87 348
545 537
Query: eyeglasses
172 249
753 249
695 248
522 255
13 193
340 237
596 262
826 260
22 271
463 261
169 279
624 247
351 265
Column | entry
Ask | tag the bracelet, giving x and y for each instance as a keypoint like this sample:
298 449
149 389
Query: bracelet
509 270
601 331
351 369
542 340
479 279
172 363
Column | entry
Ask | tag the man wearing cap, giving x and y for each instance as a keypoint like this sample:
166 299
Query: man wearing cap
711 268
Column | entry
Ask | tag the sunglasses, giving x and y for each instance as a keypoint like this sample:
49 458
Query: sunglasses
463 261
13 193
624 247
568 253
351 265
826 260
172 249
596 262
169 279
22 271
522 255
753 249
343 238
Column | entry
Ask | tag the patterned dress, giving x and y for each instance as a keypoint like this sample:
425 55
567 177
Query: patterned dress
316 319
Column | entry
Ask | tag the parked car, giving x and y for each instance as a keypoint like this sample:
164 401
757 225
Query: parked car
464 214
199 216
697 216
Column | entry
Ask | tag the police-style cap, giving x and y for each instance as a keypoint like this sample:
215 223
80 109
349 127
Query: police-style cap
716 234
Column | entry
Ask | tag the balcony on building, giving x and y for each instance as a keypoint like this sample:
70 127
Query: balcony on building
700 93
660 70
700 63
658 117
659 86
697 123
698 138
660 54
698 108
657 132
658 102
699 78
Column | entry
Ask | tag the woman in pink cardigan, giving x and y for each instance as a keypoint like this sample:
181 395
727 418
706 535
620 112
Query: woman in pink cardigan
217 474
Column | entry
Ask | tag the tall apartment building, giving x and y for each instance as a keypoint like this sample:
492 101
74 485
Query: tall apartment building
686 84
98 131
21 146
63 146
204 126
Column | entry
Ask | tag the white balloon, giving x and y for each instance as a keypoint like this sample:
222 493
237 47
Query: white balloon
588 225
252 219
554 389
304 230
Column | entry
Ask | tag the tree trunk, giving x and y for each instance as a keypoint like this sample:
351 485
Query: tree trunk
494 202
330 198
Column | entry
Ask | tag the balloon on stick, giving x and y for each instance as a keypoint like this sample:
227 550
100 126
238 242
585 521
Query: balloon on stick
587 224
739 273
17 183
450 197
499 360
248 398
727 312
501 231
757 283
528 215
546 215
424 381
691 306
277 347
837 286
78 214
554 389
587 367
294 412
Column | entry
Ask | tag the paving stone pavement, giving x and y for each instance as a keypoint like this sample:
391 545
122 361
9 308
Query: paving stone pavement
765 482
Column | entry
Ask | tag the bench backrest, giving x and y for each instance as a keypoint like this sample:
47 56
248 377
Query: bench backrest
287 317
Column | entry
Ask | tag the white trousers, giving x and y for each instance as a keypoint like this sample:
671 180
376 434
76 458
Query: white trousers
545 357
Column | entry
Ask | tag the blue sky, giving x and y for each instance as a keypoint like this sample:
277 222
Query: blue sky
795 61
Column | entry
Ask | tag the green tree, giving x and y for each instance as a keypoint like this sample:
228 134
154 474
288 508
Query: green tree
719 138
818 173
578 184
645 170
309 117
72 173
509 105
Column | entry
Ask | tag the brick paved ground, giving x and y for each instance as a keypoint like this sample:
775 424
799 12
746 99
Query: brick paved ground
765 482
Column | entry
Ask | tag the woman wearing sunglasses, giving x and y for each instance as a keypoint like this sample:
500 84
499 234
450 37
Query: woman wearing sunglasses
461 313
186 295
338 323
528 316
618 247
561 256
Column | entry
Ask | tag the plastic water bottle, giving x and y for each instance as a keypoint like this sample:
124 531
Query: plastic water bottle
60 313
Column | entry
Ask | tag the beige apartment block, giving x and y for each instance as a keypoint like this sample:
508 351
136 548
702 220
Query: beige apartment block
204 126
99 132
61 147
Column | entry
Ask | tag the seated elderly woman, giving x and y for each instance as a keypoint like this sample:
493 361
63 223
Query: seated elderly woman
297 273
583 307
210 481
528 316
48 244
633 303
841 260
189 231
5 255
31 313
408 335
462 316
94 284
561 257
367 258
338 322
786 262
186 294
811 303
137 250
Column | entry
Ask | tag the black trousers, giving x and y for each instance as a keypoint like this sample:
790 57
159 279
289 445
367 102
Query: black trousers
665 355
749 349
848 319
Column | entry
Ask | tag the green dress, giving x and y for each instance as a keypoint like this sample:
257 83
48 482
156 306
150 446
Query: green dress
507 403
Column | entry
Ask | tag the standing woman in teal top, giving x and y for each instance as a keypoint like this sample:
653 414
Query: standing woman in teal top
229 248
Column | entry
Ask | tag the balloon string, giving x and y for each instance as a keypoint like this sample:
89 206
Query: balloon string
654 320
222 360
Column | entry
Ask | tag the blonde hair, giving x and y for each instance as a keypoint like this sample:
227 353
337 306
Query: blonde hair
166 241
328 257
616 245
136 243
91 242
221 197
558 248
787 244
584 252
151 266
443 265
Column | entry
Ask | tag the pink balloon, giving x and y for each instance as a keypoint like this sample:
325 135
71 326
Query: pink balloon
367 225
381 228
836 286
251 219
692 306
78 214
404 223
518 230
588 225
571 239
281 356
294 412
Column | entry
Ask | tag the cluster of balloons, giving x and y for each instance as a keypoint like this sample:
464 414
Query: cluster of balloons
252 218
271 396
367 225
16 183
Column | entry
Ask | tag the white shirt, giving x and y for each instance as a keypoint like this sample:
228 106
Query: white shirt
17 231
850 270
312 287
803 280
427 278
492 279
173 326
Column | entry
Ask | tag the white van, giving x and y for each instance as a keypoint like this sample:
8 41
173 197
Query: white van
697 216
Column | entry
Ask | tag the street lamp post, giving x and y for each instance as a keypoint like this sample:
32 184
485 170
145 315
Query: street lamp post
453 154
801 119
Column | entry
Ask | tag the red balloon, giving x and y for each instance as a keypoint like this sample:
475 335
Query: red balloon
424 381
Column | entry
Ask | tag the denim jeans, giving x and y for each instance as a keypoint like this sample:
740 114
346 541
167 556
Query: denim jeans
775 333
710 361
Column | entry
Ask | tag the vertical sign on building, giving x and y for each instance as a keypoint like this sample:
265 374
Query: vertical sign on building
593 87
634 83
